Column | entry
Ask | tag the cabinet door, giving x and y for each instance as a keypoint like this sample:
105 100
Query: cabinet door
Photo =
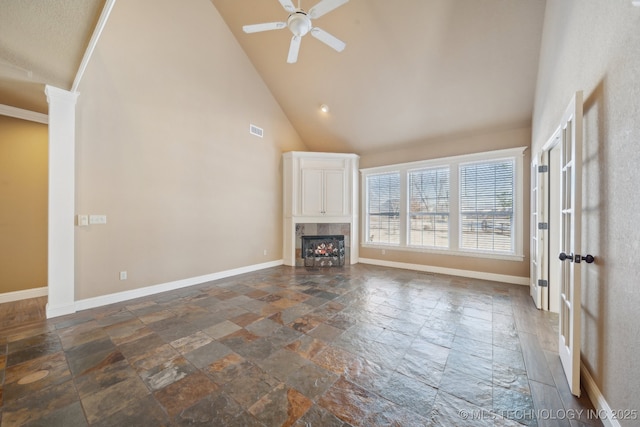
312 185
334 192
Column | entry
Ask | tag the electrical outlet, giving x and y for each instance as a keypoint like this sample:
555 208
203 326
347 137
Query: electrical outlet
265 252
384 252
123 275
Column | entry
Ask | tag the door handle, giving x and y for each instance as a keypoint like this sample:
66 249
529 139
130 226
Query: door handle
564 257
577 258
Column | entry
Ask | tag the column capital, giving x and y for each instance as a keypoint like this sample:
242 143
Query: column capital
56 94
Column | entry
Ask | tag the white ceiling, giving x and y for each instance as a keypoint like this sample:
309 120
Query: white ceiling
412 71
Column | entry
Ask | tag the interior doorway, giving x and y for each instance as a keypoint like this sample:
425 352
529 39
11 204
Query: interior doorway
23 219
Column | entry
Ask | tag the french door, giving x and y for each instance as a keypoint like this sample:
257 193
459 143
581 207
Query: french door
570 132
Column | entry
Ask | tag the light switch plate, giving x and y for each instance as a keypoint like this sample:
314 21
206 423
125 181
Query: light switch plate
83 220
97 219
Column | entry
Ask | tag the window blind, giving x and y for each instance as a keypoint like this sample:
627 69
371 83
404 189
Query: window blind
486 205
429 207
466 205
383 208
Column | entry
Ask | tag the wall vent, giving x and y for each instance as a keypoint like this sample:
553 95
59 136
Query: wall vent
255 130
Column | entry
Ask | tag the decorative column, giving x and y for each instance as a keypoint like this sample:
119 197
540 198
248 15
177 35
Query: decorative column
61 270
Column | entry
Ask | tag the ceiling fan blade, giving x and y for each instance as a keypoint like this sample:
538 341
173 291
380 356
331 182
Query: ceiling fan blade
328 39
325 6
293 49
288 5
256 28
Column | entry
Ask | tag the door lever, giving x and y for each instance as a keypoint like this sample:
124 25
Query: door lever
577 258
564 257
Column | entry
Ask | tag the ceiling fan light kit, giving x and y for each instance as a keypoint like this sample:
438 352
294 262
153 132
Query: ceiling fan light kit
299 23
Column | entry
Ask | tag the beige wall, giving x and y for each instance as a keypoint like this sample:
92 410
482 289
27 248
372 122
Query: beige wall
453 146
23 204
594 46
163 149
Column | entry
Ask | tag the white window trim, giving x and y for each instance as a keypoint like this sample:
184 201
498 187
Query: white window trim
453 163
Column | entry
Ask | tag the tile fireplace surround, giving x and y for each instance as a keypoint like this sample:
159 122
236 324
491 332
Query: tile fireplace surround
321 229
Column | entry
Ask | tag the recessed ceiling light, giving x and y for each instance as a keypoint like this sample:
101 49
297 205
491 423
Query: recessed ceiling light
324 108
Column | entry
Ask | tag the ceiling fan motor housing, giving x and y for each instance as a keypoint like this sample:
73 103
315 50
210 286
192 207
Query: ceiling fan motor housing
299 23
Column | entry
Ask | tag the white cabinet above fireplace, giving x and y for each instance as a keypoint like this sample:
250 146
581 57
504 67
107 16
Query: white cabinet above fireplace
319 188
324 191
320 184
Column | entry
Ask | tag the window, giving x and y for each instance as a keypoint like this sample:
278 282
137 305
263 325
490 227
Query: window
486 205
429 207
383 208
467 205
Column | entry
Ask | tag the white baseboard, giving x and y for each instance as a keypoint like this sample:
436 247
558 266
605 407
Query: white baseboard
516 280
25 294
605 413
60 310
100 301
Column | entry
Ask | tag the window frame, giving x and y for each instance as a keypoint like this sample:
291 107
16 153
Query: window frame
455 235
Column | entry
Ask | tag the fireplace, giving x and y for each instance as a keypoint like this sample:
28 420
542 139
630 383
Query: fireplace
323 251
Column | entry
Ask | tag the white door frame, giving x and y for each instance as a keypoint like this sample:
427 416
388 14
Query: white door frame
552 248
539 289
545 209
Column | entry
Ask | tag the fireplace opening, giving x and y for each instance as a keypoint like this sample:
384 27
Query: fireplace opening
323 251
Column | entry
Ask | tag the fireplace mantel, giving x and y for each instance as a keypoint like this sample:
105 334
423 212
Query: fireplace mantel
319 188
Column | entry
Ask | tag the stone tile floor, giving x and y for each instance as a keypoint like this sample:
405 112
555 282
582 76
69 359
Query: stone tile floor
358 345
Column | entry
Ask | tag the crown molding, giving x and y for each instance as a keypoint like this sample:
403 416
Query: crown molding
19 113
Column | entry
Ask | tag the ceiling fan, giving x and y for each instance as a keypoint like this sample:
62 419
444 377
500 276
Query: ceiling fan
299 23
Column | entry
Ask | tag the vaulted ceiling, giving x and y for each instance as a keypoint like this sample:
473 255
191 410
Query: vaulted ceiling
42 42
412 70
